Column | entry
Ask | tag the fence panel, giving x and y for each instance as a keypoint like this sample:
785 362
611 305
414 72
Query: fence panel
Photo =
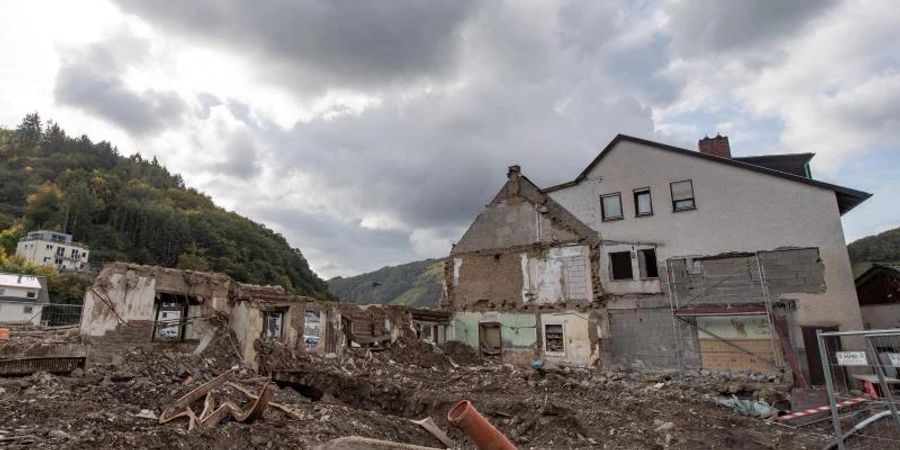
860 369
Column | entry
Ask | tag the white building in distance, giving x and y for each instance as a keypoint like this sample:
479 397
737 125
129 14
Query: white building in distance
22 298
52 248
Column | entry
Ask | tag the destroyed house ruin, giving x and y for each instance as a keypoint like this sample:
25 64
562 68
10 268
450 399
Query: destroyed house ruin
132 306
658 257
520 279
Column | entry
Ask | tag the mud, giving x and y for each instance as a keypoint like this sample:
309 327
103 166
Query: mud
372 394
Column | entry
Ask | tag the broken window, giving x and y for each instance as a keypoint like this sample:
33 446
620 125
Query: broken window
554 340
611 206
273 321
683 195
620 265
647 260
174 316
643 205
312 329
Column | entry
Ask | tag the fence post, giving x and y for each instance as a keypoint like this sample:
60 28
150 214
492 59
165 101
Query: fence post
829 385
885 389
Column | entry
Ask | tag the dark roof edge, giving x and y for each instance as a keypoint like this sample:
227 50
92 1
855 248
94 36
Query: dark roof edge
854 197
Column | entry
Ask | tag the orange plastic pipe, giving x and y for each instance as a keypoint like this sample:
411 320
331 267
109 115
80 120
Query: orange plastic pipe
480 431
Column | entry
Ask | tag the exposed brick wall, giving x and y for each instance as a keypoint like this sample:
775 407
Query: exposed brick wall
114 344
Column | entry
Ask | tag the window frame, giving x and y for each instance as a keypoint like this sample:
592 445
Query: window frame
603 216
612 271
637 193
642 264
281 314
693 198
562 329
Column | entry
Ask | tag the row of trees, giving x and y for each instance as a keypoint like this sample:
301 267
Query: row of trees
133 209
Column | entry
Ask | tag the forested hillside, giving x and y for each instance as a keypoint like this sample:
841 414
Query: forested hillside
883 247
418 283
133 209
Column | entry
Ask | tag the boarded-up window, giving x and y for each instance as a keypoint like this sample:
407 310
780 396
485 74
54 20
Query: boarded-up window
554 340
620 265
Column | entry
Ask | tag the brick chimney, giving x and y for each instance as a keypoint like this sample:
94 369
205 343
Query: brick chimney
717 146
513 185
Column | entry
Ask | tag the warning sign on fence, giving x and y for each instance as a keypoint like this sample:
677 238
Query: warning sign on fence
895 359
851 358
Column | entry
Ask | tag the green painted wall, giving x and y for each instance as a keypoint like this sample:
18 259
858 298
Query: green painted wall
518 330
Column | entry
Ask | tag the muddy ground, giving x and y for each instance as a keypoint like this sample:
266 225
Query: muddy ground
372 394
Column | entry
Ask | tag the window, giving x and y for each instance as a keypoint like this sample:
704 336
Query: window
647 263
273 322
611 206
683 196
643 205
174 317
620 265
31 294
49 247
2 291
27 309
312 329
554 340
60 251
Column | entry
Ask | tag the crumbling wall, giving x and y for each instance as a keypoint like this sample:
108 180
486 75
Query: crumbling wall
522 336
642 334
524 276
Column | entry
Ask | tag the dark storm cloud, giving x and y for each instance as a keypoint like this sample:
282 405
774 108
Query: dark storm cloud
90 80
704 27
320 44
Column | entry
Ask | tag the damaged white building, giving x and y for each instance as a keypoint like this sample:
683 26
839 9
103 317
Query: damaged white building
660 257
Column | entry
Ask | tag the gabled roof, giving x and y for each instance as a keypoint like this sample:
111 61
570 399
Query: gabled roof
891 269
847 198
15 280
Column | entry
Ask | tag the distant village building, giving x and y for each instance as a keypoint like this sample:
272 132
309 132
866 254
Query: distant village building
659 257
52 248
878 290
22 298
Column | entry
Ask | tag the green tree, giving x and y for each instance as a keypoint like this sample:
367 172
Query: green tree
193 258
44 206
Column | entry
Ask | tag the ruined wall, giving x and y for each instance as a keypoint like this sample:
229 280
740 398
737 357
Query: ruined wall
643 335
521 277
522 337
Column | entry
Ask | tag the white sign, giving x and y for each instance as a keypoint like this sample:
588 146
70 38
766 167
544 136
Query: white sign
895 359
851 358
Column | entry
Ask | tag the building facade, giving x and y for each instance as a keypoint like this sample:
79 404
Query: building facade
711 261
878 290
22 298
52 248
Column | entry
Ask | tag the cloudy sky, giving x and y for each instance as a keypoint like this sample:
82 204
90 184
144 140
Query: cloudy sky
371 133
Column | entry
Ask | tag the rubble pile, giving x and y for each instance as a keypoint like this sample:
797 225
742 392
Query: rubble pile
376 394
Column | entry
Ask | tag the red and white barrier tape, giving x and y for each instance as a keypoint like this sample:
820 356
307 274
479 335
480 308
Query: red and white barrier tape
811 411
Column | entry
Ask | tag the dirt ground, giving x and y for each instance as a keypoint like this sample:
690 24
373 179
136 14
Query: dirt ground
372 394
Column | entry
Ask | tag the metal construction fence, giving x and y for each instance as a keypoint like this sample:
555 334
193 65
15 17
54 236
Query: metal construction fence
861 376
44 314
